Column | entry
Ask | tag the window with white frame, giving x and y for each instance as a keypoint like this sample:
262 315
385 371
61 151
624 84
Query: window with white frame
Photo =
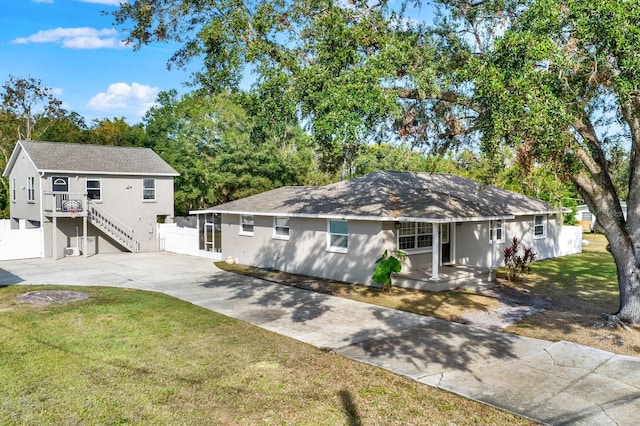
539 226
496 230
31 189
148 189
338 235
13 190
414 236
281 228
94 189
246 224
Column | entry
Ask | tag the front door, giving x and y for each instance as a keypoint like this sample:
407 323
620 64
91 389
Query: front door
211 237
445 244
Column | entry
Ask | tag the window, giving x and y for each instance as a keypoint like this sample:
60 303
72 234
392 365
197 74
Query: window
148 189
246 225
412 236
497 229
60 183
13 189
94 189
586 216
281 228
31 189
539 226
338 235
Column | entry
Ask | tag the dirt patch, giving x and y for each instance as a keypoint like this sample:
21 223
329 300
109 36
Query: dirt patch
515 305
46 297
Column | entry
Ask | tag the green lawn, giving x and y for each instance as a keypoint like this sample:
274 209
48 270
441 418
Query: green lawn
133 357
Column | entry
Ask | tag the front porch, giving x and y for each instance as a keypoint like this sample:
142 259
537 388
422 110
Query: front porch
450 277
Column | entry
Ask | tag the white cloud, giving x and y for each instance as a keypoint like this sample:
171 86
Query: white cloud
76 38
43 1
121 96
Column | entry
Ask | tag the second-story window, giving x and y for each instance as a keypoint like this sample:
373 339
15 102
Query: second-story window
13 189
94 189
148 189
31 189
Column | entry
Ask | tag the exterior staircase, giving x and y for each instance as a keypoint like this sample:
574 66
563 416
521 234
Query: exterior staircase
111 226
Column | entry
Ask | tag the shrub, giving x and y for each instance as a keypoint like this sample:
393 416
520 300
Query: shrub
385 266
516 264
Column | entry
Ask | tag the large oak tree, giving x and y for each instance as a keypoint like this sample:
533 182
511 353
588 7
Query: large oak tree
556 81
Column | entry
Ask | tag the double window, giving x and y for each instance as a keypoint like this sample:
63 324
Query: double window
246 224
149 189
338 236
94 189
415 235
539 226
281 228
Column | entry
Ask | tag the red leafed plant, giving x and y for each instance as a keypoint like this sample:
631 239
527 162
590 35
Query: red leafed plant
514 263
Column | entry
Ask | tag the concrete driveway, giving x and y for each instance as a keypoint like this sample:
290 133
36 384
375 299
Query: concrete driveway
554 383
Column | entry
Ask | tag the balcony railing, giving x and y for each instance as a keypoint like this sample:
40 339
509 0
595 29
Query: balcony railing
65 203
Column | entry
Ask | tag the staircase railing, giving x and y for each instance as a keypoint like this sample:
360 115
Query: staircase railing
113 227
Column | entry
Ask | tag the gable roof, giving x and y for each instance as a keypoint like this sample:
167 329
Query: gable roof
391 196
61 157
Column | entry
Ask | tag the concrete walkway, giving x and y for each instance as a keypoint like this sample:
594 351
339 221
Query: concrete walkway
554 383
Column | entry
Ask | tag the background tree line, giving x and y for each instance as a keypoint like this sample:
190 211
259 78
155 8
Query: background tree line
228 145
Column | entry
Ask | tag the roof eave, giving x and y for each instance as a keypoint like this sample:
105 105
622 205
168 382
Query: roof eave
86 172
359 217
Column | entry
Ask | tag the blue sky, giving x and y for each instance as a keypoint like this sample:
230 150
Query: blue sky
75 50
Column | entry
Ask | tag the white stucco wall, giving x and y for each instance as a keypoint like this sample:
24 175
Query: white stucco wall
306 252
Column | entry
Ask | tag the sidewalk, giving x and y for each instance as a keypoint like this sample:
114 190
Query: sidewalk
555 383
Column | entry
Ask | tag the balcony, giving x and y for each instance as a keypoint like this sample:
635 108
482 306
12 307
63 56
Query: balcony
64 204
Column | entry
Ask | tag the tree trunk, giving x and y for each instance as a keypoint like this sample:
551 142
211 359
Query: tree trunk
627 266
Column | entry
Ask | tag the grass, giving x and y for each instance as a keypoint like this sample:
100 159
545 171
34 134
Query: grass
581 288
446 305
133 357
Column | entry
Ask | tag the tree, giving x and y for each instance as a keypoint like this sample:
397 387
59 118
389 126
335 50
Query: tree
31 102
116 132
563 72
207 139
541 78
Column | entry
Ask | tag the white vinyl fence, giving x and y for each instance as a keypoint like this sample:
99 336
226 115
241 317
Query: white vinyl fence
183 240
570 241
19 243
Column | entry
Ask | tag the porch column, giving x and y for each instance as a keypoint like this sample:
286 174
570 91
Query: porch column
435 252
494 243
84 234
54 248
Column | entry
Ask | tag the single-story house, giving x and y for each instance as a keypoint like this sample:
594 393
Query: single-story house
445 224
587 220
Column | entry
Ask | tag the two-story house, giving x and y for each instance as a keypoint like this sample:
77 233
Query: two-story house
89 198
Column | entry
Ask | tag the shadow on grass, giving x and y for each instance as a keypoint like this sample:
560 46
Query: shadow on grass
350 408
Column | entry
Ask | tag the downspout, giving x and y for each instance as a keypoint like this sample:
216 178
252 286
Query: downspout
41 195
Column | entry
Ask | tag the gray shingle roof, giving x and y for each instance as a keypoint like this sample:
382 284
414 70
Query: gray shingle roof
390 196
99 159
